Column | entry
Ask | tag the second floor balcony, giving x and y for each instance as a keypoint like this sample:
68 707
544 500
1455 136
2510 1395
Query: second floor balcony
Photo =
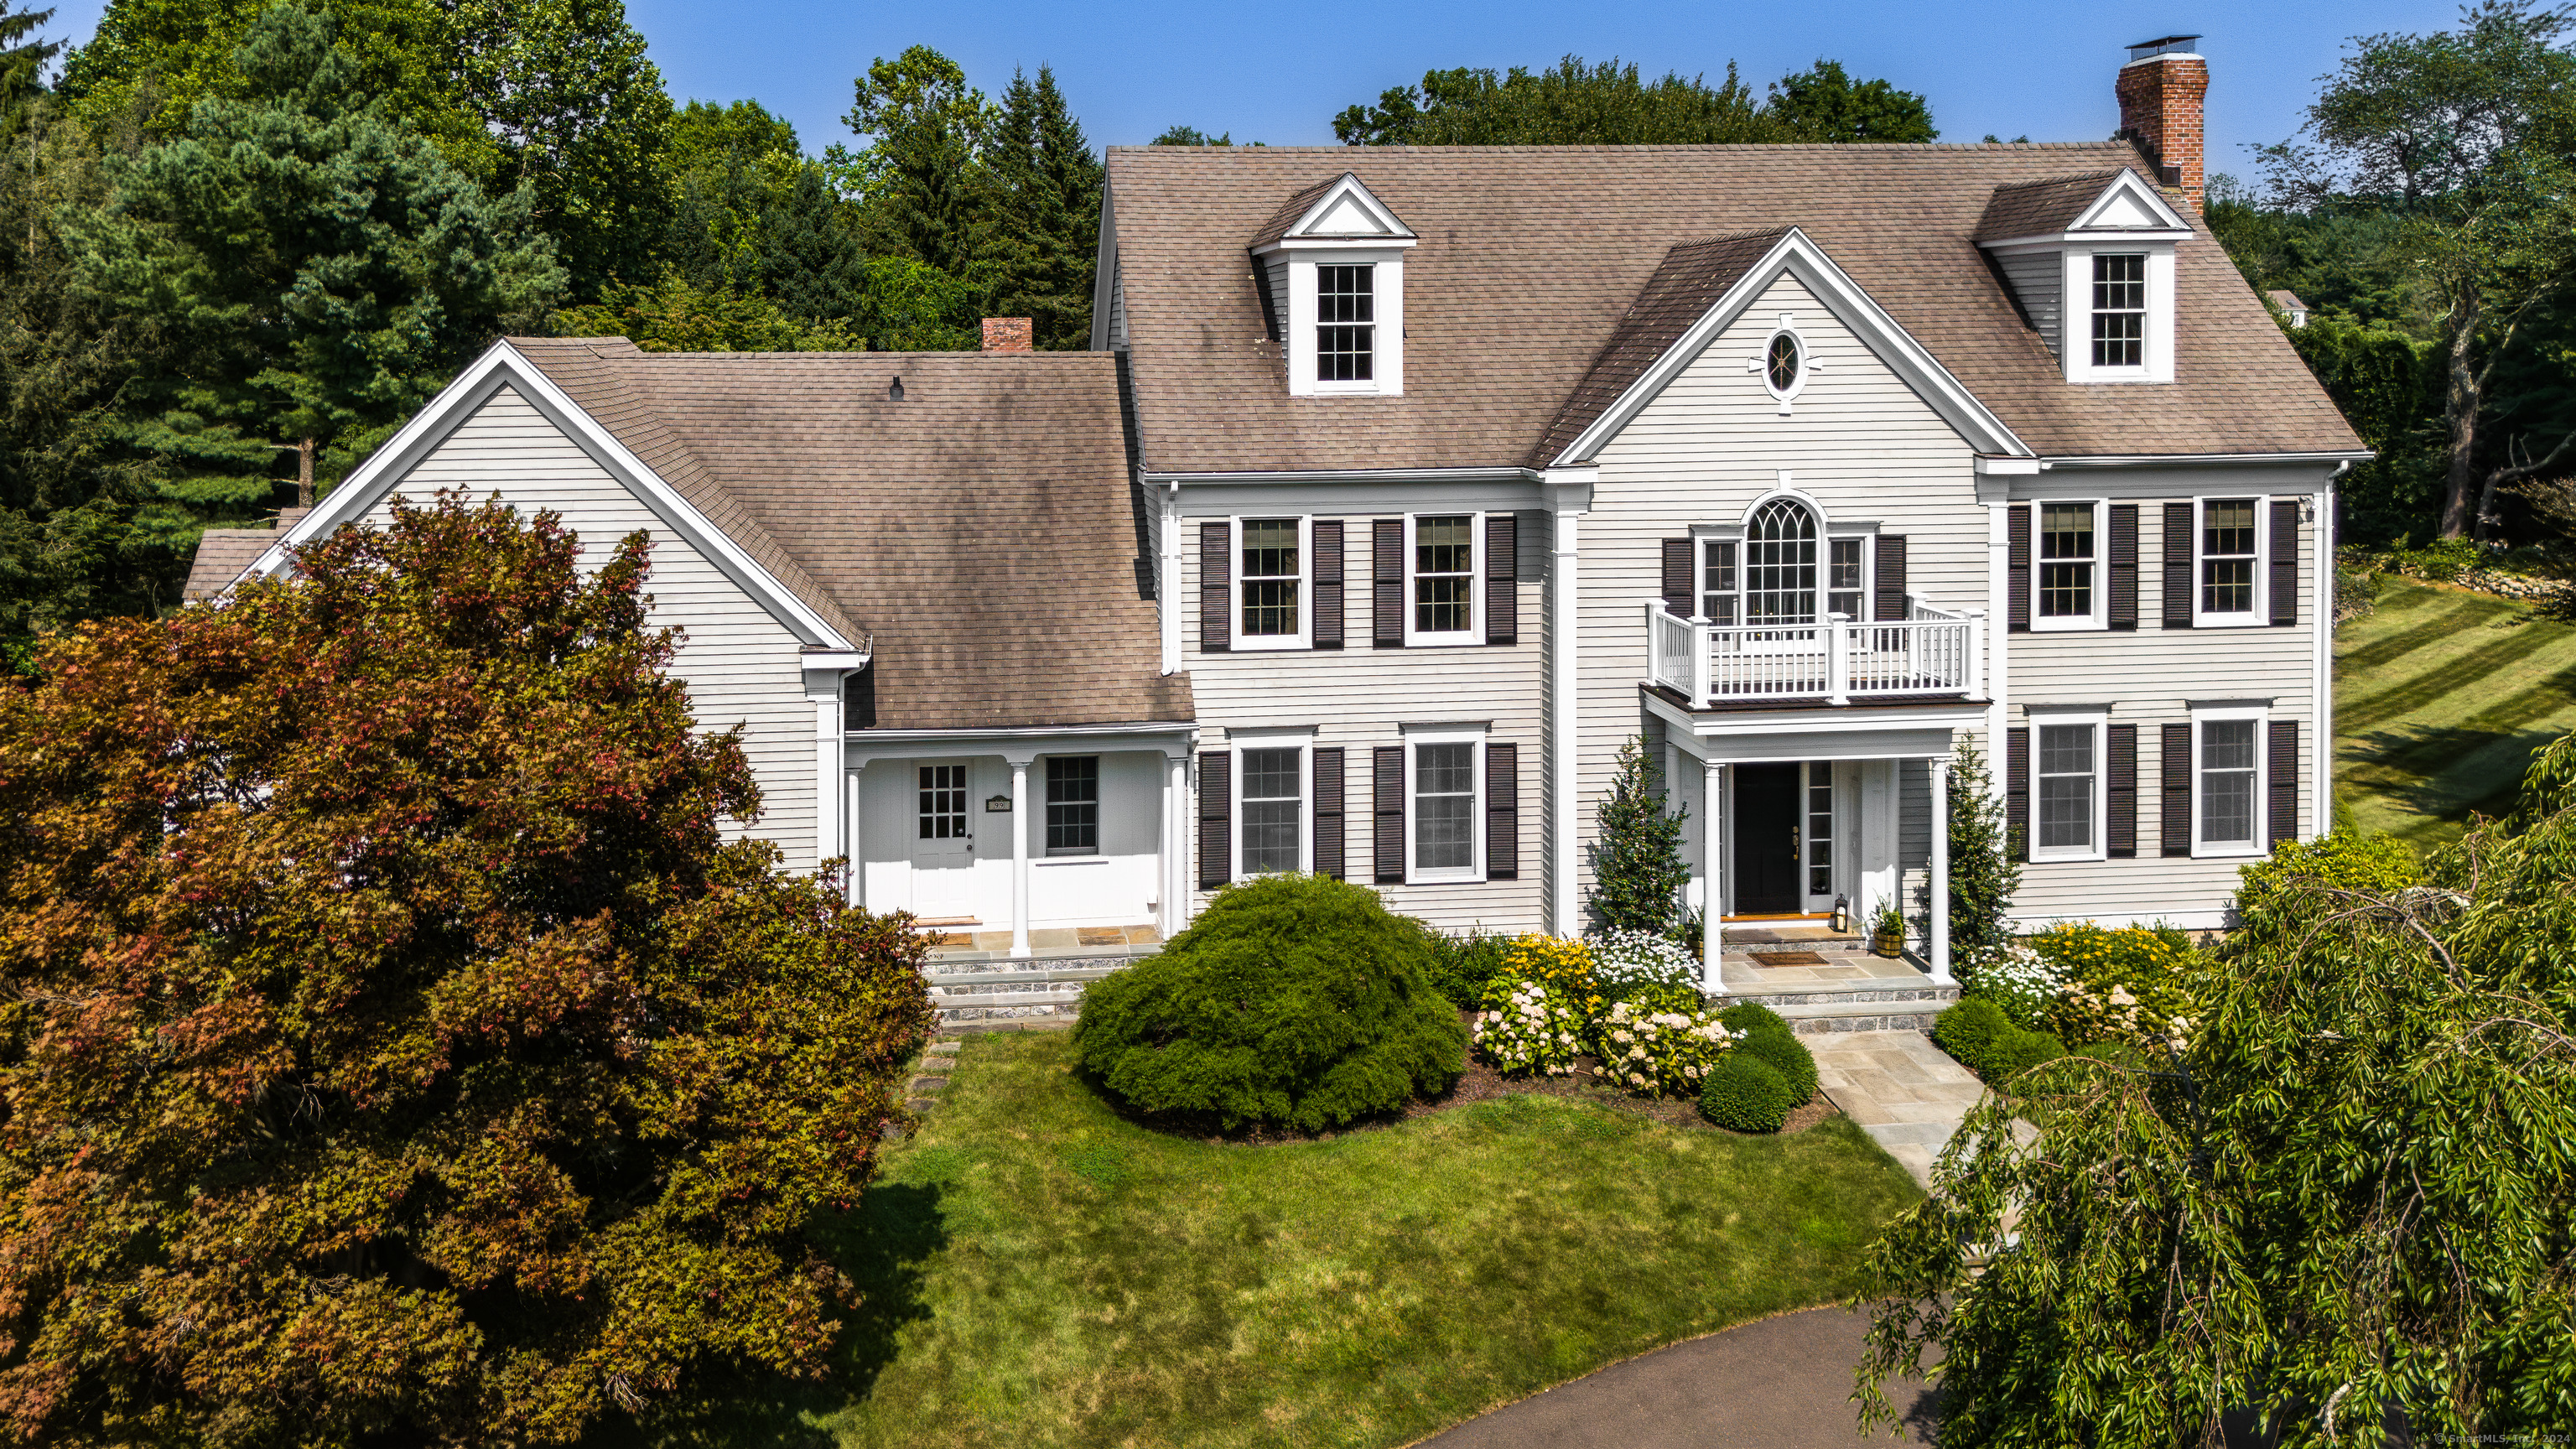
1931 654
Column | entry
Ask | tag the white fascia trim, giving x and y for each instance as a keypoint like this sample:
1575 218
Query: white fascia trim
2139 191
1842 296
1104 271
2192 460
504 365
2099 238
2008 467
1027 732
830 660
1349 475
1393 233
1814 719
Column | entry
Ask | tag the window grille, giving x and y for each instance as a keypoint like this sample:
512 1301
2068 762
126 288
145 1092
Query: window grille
2227 556
1444 806
1273 809
1843 578
1345 323
1780 565
2120 310
2227 785
941 804
1784 363
1073 805
2066 787
1444 561
2066 558
1820 828
1270 577
1717 582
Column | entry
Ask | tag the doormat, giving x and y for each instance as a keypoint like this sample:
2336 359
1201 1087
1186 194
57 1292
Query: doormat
1788 958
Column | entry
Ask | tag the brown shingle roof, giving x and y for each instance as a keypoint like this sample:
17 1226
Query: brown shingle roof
1291 209
1530 257
982 529
223 554
2040 208
1694 275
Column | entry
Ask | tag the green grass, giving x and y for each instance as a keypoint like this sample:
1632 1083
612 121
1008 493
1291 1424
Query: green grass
2440 698
1041 1272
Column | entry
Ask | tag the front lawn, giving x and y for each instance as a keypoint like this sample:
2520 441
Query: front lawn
1040 1271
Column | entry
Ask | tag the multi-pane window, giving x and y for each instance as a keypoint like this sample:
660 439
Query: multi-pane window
940 807
2120 310
2227 781
1273 809
1270 578
1345 323
2227 556
1444 807
1073 805
1843 578
1780 565
2066 559
1444 562
1717 582
2066 777
1820 828
1783 364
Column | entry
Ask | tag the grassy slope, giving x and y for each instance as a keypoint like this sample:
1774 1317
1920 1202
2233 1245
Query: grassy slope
1040 1271
2440 698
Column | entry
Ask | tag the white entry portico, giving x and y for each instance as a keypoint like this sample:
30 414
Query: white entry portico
1033 829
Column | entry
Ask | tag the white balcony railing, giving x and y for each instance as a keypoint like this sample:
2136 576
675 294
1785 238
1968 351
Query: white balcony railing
1931 652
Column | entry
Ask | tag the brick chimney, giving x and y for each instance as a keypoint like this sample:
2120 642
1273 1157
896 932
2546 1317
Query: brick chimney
2161 89
1011 334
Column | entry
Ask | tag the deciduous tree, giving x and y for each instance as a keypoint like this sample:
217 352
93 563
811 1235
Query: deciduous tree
393 1046
1570 103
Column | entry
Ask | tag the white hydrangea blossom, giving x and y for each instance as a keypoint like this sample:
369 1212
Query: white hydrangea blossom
1641 958
1667 1052
1532 1031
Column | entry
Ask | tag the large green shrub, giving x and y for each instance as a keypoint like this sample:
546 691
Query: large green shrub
1979 1037
1743 1093
1293 999
2123 983
2311 873
1463 966
1788 1056
1753 1016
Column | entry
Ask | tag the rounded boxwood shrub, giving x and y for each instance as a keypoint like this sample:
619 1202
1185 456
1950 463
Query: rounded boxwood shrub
1977 1035
1744 1093
1293 1000
1786 1055
1753 1016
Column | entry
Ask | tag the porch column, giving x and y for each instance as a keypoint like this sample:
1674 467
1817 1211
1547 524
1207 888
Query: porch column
1176 845
1019 855
1940 943
1712 841
854 890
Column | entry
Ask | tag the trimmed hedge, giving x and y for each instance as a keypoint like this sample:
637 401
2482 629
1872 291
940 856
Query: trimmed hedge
1463 966
1745 1094
1982 1039
1293 999
1753 1016
1786 1055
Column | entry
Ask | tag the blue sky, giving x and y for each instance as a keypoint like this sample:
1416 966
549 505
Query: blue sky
1278 74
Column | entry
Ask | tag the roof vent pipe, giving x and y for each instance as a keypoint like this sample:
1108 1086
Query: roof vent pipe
894 390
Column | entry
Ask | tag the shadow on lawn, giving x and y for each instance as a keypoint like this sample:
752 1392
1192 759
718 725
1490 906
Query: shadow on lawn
2442 774
882 1247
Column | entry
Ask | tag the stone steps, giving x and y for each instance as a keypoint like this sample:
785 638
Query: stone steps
982 995
1858 1006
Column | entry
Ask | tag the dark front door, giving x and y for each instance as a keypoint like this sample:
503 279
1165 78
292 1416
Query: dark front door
1766 841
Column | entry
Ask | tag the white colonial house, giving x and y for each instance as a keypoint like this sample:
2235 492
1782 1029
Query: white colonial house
1401 486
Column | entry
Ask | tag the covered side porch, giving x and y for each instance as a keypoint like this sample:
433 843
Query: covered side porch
1794 812
1008 842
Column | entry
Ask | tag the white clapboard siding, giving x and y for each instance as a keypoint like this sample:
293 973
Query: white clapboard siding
741 665
2039 282
1359 697
1858 440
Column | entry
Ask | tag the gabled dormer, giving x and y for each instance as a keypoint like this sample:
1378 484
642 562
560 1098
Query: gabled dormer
1332 268
2091 261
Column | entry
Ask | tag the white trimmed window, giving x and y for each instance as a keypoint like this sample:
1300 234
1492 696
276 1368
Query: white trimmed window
2067 586
1270 806
2067 780
1073 805
2119 310
2227 782
1441 559
2227 572
2119 313
1271 567
1444 819
1346 323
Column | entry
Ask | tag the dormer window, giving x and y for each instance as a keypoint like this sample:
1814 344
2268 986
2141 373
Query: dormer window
1331 268
2119 309
1345 323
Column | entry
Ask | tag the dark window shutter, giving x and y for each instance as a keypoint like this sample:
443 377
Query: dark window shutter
2017 792
1386 578
1386 829
2122 836
1679 590
1328 583
1328 813
1502 812
2285 561
2282 781
1216 818
2178 572
1216 587
1888 584
2124 566
1719 580
1502 579
2018 575
2174 829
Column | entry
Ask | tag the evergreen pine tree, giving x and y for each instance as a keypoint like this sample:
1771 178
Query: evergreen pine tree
1637 869
810 257
1984 872
1047 218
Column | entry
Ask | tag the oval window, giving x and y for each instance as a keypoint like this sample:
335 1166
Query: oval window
1785 363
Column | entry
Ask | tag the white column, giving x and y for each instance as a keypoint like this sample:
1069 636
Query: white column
1020 856
1176 845
1565 908
823 691
1712 850
1940 942
855 889
1998 630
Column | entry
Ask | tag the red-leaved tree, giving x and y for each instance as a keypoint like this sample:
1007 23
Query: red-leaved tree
391 1047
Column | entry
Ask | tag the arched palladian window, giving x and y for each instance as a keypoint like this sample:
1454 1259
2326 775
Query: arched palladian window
1780 565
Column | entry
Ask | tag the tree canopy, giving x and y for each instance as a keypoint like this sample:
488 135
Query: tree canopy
394 1046
1611 104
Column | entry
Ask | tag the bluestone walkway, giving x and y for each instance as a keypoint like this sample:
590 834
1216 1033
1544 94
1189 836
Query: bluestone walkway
1906 1093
